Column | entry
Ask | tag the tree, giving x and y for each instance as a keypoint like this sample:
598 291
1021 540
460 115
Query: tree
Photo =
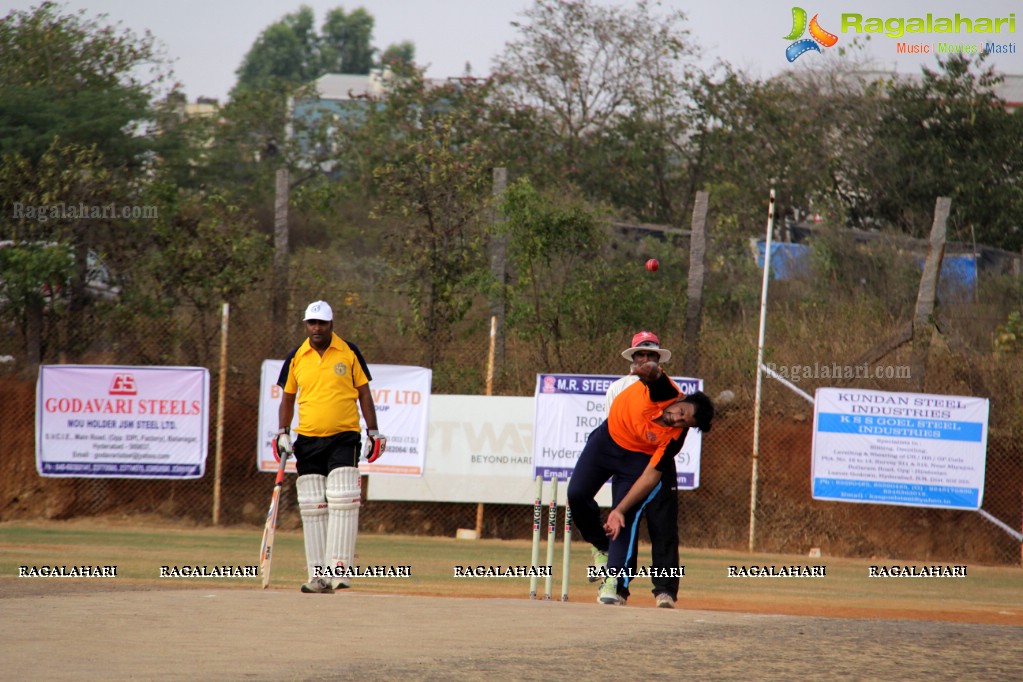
201 251
548 242
808 133
427 151
399 56
291 53
610 85
275 118
287 51
569 286
116 177
948 135
71 199
74 76
750 136
346 42
75 131
32 272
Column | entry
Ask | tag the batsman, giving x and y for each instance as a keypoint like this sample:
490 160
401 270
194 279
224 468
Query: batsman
329 379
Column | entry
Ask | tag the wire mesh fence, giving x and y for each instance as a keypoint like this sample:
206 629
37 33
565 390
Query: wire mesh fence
715 515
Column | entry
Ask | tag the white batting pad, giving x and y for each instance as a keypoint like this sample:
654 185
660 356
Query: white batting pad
312 505
344 495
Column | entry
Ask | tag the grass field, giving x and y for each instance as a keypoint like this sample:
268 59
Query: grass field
139 549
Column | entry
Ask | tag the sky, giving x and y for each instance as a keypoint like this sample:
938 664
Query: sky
208 39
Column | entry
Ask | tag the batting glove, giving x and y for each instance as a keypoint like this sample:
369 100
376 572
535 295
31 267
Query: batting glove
282 444
375 445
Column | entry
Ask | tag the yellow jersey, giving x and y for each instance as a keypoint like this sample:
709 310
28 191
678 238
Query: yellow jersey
327 386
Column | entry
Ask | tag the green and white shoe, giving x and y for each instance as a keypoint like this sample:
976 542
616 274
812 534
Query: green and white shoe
608 593
599 562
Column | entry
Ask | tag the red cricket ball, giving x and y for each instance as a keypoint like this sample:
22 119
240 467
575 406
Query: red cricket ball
652 265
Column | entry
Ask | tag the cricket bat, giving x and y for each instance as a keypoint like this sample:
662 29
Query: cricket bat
269 530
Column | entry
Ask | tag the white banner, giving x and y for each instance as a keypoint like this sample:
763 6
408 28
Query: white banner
480 451
569 406
401 395
907 449
95 421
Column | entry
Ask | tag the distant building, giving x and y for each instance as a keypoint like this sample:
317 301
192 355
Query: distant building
341 99
349 86
202 108
341 95
1010 89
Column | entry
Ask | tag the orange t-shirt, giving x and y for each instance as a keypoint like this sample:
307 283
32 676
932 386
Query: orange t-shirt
632 426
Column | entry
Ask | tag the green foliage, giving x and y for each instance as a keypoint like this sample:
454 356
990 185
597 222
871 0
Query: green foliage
399 56
576 284
257 134
597 113
77 78
840 263
76 142
202 251
733 288
751 136
31 273
949 135
426 150
248 144
553 244
345 44
66 177
653 177
292 53
287 50
69 196
632 298
1009 336
543 232
609 88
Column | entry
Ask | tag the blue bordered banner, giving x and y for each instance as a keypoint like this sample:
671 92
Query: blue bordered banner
908 449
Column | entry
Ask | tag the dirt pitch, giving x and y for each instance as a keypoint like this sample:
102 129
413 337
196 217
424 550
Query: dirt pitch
85 631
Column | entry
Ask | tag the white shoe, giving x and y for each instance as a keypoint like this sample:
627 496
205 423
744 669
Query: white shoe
665 600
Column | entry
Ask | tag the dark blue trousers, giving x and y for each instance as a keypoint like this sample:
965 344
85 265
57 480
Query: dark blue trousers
600 460
661 515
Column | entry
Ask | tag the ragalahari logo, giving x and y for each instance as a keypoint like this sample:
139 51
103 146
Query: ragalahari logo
123 384
818 36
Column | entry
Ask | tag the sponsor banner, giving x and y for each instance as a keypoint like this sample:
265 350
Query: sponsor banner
102 421
569 406
401 395
480 451
908 449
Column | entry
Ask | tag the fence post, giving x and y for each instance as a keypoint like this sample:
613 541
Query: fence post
221 393
490 390
923 326
279 302
694 304
499 269
760 375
